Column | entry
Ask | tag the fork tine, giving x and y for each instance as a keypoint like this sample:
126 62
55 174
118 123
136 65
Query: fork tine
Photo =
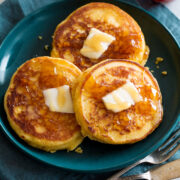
171 153
170 145
169 139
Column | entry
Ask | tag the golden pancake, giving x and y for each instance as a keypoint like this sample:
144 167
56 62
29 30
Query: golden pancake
70 35
127 126
27 112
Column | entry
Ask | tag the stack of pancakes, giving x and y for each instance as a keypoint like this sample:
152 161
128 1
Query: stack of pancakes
89 80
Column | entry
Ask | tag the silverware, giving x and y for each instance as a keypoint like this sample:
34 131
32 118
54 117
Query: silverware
164 172
162 154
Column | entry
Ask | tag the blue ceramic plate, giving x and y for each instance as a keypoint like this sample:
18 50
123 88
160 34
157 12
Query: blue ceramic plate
22 44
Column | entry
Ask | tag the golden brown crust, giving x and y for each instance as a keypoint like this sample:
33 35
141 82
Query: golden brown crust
127 126
26 110
71 33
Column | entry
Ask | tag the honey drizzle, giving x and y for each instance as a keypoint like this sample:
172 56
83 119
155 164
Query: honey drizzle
61 97
95 42
120 104
144 109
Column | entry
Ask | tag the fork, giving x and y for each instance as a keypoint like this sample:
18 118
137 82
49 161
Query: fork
163 153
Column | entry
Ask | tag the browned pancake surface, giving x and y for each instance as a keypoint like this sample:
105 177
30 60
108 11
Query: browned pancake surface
127 126
26 104
71 34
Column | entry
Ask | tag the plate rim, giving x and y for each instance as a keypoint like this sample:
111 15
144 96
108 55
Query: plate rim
28 152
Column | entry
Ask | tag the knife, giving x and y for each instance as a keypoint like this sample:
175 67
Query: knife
165 172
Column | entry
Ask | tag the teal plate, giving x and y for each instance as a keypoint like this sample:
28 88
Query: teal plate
22 44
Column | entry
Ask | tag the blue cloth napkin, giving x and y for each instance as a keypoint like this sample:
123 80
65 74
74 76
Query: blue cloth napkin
15 165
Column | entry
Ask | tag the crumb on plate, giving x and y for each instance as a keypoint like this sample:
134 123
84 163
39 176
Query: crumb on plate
158 60
164 73
79 150
40 37
46 47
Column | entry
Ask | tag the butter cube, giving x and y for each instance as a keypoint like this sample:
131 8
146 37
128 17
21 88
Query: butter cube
96 44
59 99
122 98
132 90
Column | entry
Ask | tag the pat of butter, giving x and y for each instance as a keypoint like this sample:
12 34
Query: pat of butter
59 99
122 98
96 44
132 90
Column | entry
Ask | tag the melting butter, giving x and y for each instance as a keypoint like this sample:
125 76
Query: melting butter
59 99
96 44
122 98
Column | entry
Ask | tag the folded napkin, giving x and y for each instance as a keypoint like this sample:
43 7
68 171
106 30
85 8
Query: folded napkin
15 164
